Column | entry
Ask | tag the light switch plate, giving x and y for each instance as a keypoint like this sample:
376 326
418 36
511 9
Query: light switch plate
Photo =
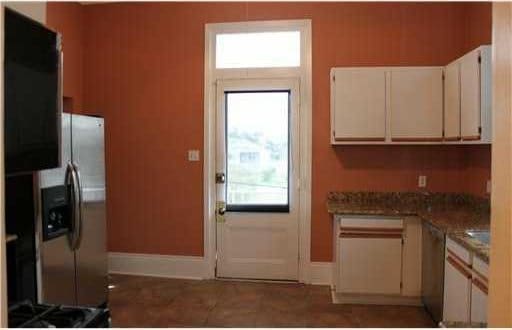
193 155
488 187
422 181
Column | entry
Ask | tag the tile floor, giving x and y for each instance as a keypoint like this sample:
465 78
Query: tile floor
138 301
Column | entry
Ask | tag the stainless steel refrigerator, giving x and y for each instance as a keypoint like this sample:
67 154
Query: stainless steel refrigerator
72 234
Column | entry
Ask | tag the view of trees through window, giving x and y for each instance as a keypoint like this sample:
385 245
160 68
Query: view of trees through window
257 147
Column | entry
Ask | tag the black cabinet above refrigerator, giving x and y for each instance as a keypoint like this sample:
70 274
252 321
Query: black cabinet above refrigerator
32 95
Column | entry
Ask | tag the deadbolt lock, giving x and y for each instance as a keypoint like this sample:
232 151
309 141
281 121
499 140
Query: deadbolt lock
220 177
220 211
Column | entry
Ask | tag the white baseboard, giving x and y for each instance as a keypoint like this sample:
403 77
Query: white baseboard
187 267
369 299
321 273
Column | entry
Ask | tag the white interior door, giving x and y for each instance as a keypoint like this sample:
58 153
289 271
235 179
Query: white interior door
257 166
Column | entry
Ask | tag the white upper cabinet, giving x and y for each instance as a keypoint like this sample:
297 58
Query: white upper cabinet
416 104
359 104
475 95
452 102
470 96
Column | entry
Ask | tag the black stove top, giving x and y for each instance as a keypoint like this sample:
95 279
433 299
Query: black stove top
29 315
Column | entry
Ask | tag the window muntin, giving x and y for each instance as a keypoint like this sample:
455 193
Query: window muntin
257 148
257 50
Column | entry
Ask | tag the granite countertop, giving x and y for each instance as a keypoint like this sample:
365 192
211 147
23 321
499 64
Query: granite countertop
479 248
451 213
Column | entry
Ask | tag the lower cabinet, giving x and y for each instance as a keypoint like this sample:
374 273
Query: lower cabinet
457 292
478 304
465 286
371 264
479 291
378 259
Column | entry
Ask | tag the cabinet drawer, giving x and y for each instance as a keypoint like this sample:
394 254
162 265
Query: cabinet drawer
371 223
480 267
459 251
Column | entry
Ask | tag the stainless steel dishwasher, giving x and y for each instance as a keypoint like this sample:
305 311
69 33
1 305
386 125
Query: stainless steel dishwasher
432 279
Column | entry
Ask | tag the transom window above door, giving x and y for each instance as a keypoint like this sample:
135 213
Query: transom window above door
258 49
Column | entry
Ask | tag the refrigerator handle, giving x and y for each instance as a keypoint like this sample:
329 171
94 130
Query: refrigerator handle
70 182
60 92
79 207
76 210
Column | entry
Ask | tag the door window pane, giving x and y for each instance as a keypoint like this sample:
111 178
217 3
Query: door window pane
257 145
258 50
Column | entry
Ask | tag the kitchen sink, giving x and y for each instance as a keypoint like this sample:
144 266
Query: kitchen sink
482 236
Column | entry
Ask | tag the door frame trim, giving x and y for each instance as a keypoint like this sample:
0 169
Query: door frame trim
226 266
304 74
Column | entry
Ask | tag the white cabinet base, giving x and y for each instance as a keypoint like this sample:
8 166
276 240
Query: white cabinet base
358 257
370 266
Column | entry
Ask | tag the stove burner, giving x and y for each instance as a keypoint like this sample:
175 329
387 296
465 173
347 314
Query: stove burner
28 315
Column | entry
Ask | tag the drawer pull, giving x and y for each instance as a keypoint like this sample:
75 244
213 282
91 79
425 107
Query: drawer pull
371 229
341 139
458 267
459 259
481 276
370 235
480 285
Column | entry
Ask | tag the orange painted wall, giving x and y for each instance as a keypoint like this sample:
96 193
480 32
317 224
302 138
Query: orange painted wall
478 24
67 18
143 69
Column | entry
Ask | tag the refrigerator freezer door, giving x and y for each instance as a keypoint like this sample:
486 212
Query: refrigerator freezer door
57 262
91 255
58 272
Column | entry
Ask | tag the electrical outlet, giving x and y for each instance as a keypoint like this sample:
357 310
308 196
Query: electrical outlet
422 181
488 187
193 155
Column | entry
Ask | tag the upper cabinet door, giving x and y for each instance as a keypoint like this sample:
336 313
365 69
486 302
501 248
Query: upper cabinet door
417 104
470 95
452 102
359 104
